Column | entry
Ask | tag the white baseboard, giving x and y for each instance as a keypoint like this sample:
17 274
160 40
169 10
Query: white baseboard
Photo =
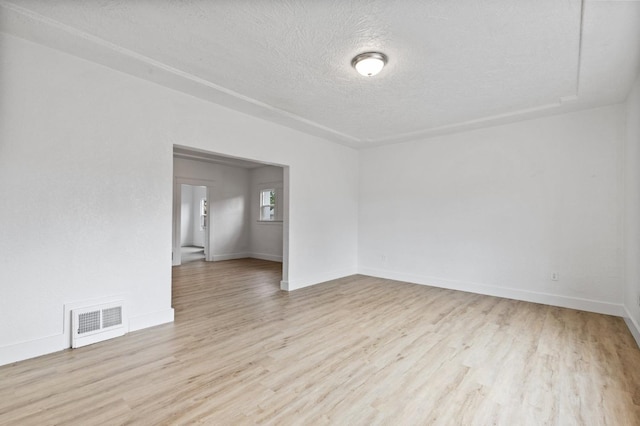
32 348
262 256
46 345
266 256
588 305
230 256
151 319
317 279
634 328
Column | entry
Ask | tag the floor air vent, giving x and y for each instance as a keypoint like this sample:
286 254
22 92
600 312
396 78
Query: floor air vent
96 323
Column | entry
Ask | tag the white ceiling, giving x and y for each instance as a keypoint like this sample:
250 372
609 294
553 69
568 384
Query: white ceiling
453 65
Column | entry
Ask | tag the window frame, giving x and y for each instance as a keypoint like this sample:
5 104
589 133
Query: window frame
273 204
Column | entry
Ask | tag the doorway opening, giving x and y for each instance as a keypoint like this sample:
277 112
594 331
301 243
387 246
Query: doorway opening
221 212
193 223
191 220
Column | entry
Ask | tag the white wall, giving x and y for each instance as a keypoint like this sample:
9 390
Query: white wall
498 210
69 127
98 205
266 237
228 205
632 211
493 210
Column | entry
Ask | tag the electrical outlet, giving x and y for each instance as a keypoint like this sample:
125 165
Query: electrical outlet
383 258
638 300
555 276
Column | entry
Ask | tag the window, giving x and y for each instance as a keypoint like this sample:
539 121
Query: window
268 204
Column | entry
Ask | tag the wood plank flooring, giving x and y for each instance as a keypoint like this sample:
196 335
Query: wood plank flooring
355 351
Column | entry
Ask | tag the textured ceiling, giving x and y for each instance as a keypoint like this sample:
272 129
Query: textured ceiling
452 65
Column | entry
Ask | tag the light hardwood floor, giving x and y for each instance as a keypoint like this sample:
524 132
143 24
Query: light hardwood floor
354 351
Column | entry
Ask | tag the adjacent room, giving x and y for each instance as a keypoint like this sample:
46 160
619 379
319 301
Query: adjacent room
193 223
226 208
311 212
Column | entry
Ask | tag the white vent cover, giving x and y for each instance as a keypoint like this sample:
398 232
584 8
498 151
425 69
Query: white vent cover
96 323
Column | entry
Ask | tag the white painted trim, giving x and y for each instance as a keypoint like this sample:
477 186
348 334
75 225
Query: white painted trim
588 305
32 348
317 279
44 30
230 256
285 225
284 285
634 328
265 256
262 256
47 31
277 184
151 319
46 345
194 181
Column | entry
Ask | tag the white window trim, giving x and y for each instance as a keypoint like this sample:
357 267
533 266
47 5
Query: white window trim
261 206
278 213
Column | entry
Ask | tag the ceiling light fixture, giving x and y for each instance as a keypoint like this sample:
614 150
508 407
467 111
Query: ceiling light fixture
370 63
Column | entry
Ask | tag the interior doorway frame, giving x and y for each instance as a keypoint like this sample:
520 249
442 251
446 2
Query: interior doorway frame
286 176
176 257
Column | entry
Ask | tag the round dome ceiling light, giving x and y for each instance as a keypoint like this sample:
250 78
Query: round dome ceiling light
370 63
